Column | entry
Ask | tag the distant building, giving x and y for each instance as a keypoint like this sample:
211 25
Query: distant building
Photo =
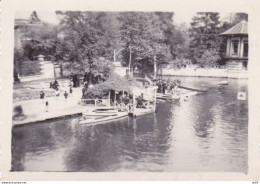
121 70
46 67
237 47
23 22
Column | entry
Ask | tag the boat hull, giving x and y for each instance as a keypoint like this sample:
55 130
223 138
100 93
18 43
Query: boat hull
102 119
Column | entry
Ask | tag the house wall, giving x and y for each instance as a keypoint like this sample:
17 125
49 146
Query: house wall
230 46
121 71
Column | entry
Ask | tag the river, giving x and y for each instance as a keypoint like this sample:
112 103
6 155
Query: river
209 132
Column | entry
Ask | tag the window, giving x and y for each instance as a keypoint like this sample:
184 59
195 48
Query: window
234 47
245 50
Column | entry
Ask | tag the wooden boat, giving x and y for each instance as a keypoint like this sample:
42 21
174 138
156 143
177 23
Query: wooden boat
141 112
97 118
223 83
167 96
175 97
193 89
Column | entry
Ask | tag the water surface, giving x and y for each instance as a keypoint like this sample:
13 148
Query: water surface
209 132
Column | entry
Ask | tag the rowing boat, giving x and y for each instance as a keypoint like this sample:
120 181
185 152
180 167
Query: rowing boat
90 119
175 97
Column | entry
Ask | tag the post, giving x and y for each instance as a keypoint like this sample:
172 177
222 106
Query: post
115 99
154 102
134 104
109 104
130 57
155 69
114 55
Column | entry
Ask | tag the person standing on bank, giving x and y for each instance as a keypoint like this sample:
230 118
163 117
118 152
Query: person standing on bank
47 105
42 95
66 95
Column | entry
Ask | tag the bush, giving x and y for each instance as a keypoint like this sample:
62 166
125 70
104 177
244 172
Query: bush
29 68
18 110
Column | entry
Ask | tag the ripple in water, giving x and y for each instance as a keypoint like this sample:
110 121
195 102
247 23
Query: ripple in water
207 133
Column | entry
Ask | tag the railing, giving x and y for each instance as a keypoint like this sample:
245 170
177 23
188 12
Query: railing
148 104
97 102
245 56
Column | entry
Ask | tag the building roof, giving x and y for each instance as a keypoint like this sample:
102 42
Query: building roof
238 29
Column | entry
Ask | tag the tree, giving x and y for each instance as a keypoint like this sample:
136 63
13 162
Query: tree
204 33
18 58
142 34
88 40
40 39
34 41
238 17
209 57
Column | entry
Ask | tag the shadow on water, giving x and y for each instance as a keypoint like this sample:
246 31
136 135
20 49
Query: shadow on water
207 133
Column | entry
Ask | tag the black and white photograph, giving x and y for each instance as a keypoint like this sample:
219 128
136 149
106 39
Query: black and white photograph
130 91
101 90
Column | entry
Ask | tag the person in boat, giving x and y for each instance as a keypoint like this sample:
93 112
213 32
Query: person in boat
139 101
164 86
176 89
159 84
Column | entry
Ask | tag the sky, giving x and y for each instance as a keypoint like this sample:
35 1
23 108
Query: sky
179 17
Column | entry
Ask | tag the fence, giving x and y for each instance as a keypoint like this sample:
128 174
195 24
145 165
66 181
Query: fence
196 72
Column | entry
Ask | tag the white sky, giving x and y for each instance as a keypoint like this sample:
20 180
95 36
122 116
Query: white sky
50 17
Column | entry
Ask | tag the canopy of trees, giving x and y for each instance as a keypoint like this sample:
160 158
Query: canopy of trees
91 40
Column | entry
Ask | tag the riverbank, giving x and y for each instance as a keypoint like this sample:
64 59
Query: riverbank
35 110
205 72
213 124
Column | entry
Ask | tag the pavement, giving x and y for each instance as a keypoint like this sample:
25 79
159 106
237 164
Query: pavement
35 110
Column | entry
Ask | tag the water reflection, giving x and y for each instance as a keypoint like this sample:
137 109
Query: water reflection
206 133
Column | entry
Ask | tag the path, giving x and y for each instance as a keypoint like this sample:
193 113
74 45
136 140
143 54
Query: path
35 110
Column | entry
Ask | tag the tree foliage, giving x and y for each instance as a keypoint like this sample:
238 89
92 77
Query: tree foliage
40 40
113 82
143 34
89 40
204 33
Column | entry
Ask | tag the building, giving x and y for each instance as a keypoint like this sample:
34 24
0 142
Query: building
21 22
237 47
121 70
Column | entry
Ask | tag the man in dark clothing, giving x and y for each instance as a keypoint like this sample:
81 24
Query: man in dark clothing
56 85
75 79
42 95
47 106
66 94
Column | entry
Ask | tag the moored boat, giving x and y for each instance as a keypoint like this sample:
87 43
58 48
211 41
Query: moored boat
97 118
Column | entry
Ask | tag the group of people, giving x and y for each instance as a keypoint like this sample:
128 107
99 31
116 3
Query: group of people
42 97
168 86
55 85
